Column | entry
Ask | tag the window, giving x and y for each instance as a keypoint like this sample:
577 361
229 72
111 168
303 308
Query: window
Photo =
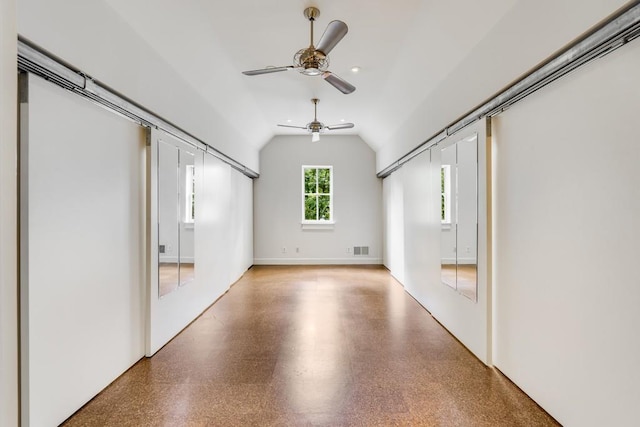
445 194
317 187
190 207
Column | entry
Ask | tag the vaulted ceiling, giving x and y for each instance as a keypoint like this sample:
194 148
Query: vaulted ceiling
404 49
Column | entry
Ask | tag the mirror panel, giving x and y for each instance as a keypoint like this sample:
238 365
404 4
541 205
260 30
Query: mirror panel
459 216
447 216
168 218
466 218
187 216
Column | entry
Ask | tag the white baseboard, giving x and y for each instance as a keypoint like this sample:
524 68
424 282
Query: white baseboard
450 261
174 259
318 261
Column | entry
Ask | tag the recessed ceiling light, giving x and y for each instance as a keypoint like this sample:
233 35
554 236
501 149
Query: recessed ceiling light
288 120
342 120
355 69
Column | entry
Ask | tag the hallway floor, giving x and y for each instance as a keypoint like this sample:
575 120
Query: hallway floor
307 346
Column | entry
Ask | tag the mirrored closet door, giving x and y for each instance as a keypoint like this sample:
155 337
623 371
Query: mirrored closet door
459 215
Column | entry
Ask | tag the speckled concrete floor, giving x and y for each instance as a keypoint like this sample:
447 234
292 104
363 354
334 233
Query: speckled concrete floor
313 346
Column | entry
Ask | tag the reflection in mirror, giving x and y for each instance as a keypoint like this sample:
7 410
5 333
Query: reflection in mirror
447 217
459 207
467 214
187 216
168 221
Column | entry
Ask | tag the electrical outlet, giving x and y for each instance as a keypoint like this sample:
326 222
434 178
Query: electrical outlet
297 250
349 250
468 250
284 250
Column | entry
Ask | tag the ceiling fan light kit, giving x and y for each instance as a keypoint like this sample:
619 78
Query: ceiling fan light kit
314 60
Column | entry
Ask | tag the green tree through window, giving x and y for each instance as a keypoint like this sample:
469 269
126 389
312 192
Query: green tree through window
317 193
445 194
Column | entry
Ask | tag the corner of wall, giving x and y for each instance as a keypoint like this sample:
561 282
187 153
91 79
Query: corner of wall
9 404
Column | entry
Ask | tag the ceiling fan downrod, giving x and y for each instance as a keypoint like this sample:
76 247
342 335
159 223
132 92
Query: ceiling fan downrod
315 109
311 13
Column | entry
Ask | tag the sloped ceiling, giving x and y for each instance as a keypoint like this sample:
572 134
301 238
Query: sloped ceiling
404 48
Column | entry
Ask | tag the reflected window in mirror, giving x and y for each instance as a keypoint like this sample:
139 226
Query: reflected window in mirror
187 202
445 194
190 204
447 215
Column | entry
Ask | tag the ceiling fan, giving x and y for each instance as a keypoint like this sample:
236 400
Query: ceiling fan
314 60
315 127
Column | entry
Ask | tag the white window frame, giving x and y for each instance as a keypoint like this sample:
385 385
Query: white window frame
446 194
318 222
190 182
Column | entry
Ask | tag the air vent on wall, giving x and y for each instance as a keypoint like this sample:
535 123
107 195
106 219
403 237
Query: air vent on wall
361 250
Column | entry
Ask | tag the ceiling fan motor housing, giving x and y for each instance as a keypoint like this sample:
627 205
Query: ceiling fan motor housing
310 61
315 126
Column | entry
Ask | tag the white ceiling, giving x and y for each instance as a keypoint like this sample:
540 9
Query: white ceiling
404 48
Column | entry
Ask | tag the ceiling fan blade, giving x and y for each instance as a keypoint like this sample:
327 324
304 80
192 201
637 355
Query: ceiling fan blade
335 31
295 127
340 126
266 70
340 84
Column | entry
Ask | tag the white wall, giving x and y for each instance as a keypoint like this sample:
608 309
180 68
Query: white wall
87 33
213 228
8 220
278 202
241 228
496 60
567 203
82 251
393 232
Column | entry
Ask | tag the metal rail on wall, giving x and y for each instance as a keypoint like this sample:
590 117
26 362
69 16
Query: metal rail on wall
34 60
615 32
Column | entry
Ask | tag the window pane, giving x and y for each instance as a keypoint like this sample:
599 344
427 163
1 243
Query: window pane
324 181
310 208
324 203
310 180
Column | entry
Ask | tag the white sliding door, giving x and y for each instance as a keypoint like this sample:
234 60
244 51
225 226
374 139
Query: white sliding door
393 202
82 250
189 229
567 227
174 194
447 260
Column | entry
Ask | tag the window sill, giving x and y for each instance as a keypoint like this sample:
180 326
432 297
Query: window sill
328 225
188 225
446 226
